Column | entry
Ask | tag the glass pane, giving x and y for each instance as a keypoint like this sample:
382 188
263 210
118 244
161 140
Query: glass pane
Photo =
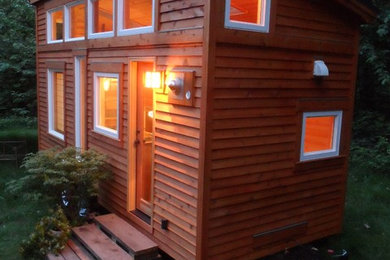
108 103
58 91
319 133
137 13
77 21
248 11
57 22
102 15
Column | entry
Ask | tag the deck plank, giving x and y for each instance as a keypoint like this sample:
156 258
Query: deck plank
54 257
81 253
69 254
99 244
129 236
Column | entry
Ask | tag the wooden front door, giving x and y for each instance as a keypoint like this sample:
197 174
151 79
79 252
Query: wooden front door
144 140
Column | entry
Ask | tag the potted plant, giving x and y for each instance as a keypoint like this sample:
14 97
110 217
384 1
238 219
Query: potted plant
67 177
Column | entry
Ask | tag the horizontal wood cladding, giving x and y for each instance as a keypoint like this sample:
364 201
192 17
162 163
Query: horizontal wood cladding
177 21
177 136
256 182
300 25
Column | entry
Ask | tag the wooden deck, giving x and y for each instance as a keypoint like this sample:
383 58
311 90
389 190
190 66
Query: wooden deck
110 237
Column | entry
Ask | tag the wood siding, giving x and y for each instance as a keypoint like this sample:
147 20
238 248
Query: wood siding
177 43
262 84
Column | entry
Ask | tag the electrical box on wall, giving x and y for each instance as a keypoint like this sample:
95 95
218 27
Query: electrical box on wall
180 86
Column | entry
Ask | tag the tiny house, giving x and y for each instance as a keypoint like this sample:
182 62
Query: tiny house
227 123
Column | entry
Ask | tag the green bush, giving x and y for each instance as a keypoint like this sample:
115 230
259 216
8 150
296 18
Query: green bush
50 236
66 177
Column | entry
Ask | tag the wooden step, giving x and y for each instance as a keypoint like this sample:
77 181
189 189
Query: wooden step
139 245
98 244
72 251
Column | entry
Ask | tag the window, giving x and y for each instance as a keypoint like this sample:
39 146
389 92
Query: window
250 15
56 103
106 112
55 25
75 21
320 135
135 16
100 18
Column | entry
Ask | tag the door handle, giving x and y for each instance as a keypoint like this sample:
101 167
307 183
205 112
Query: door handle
137 142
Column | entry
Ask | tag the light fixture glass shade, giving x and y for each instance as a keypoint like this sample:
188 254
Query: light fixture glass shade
152 79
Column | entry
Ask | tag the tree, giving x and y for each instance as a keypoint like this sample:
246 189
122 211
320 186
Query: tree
17 58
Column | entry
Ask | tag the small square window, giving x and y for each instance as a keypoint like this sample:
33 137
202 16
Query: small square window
56 112
135 16
55 25
75 21
101 18
106 112
250 15
320 135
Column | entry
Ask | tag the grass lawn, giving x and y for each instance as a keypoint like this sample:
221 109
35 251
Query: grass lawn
17 216
366 233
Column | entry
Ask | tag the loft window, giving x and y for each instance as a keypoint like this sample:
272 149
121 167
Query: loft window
75 21
55 25
100 18
106 112
135 16
56 103
250 15
320 135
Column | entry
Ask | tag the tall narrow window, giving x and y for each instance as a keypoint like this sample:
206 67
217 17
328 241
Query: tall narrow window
106 104
101 18
75 21
56 103
320 135
251 15
55 25
135 16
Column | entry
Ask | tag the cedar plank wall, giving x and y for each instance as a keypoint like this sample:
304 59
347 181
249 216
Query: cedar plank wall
177 127
256 184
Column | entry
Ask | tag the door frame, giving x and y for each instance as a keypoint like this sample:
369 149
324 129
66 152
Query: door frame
80 102
132 150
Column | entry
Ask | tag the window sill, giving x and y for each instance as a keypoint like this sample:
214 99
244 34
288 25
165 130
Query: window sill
57 135
320 164
106 132
101 35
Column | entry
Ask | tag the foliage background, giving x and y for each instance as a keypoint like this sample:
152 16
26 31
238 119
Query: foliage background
17 59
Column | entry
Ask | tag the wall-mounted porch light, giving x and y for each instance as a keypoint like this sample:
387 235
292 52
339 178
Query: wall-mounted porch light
320 69
153 79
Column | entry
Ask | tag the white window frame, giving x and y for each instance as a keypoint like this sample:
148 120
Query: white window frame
50 102
98 128
335 150
91 34
49 24
68 21
262 27
139 30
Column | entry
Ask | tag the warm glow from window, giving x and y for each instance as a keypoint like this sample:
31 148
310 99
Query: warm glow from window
57 25
102 16
137 13
152 79
77 21
107 103
248 11
319 133
58 101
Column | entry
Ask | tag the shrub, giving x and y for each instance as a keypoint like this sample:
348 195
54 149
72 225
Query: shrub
66 177
50 236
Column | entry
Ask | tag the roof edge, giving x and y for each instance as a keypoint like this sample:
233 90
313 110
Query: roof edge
366 12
